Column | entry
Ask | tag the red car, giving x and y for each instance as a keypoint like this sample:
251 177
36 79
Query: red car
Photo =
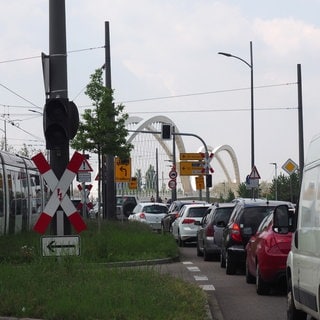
266 258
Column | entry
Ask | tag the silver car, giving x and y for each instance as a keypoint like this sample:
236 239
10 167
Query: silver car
184 228
150 213
209 235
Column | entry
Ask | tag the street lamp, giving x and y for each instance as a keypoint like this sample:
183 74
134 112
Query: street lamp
250 65
275 179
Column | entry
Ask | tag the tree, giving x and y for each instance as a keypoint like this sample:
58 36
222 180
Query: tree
288 187
102 129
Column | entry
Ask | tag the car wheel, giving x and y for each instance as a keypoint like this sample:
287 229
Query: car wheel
292 312
249 277
180 241
206 255
262 287
222 261
230 267
199 252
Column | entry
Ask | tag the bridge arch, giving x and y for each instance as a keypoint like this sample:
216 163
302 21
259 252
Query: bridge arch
152 124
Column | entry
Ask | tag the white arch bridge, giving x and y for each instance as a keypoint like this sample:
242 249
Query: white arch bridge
151 151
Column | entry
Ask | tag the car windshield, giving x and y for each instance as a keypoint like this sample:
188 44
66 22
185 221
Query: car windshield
198 212
253 216
223 214
155 209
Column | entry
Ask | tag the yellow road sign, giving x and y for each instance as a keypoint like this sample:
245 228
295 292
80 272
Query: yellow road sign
122 170
191 168
133 183
192 156
199 183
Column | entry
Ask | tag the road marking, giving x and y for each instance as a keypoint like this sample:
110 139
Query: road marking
207 287
193 269
187 262
200 278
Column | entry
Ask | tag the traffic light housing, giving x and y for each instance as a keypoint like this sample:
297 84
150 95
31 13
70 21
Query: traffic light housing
60 122
166 131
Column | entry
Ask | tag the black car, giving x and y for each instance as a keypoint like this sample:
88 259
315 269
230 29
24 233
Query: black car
244 222
209 235
173 213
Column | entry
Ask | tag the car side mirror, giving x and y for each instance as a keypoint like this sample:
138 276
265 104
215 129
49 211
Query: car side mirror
283 219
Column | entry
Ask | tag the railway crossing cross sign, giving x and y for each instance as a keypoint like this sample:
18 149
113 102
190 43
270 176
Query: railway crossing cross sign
85 197
59 190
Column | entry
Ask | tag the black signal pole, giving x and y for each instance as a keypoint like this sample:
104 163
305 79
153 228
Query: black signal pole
59 157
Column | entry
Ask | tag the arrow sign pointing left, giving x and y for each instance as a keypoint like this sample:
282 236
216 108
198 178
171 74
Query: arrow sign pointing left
60 245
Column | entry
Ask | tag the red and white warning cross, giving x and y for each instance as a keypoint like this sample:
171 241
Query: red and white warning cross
87 189
59 189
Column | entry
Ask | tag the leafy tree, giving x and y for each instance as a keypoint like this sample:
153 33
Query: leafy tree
139 179
243 192
102 129
288 187
230 196
150 178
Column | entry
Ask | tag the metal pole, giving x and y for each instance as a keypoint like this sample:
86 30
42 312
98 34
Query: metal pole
252 108
174 162
300 121
275 179
59 159
157 176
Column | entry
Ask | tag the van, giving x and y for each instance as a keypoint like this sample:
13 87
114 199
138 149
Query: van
303 262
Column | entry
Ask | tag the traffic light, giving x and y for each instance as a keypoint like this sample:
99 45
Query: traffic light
209 180
60 122
166 131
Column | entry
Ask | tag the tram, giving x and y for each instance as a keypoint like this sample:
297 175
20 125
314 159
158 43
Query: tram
21 193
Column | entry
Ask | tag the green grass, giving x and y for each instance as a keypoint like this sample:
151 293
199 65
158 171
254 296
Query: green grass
85 288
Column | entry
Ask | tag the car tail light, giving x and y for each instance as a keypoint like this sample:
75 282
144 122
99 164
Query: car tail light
235 233
142 215
210 231
188 221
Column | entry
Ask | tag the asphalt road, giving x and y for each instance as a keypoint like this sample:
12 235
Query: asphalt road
229 297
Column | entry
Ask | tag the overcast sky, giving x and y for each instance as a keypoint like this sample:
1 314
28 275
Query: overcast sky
168 48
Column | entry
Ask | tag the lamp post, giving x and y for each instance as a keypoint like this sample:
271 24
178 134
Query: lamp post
275 179
250 65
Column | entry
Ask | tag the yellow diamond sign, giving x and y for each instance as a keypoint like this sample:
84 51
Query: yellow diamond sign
290 166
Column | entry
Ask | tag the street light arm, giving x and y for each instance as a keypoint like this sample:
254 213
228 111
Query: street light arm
229 55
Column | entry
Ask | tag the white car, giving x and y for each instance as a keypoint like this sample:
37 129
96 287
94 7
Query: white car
184 228
150 213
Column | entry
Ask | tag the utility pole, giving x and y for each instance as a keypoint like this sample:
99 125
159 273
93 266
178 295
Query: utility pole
108 186
60 117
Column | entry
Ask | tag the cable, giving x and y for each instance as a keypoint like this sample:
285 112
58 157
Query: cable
208 92
37 57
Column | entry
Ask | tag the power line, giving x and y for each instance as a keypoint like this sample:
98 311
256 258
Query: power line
214 110
208 92
39 56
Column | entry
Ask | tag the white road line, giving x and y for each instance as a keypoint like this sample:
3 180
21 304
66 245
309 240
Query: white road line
193 269
187 262
207 287
200 278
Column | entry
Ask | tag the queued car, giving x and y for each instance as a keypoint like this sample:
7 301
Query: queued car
209 235
173 213
150 213
184 228
266 256
244 222
125 205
